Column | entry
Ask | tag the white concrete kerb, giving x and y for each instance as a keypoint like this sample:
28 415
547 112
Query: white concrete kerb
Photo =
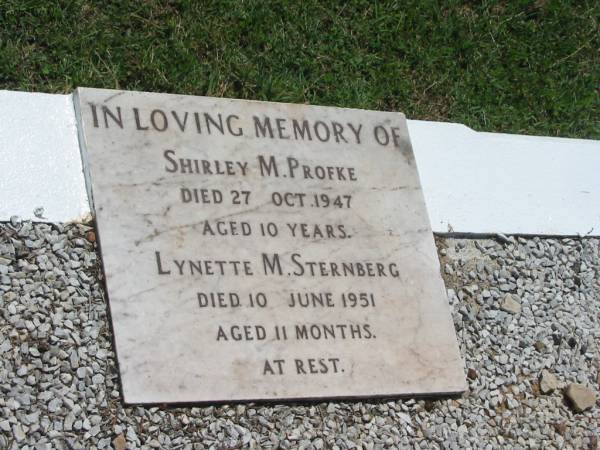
481 183
40 167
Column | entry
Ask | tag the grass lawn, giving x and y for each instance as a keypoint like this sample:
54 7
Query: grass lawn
513 66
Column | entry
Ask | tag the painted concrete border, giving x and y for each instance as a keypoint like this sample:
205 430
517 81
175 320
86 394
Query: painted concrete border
505 183
40 168
481 183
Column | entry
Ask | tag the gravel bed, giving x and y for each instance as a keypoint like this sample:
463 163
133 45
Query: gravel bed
520 306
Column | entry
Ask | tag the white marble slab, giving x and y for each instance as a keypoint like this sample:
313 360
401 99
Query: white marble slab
159 228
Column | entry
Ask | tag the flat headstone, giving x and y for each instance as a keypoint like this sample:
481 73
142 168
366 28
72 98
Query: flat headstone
264 251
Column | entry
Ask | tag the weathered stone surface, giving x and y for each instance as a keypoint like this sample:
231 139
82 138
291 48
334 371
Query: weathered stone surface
580 397
540 346
120 443
261 251
548 382
510 304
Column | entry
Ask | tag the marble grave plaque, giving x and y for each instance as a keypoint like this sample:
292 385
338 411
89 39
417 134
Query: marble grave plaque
257 251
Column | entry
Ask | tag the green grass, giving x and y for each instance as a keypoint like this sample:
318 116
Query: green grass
511 66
